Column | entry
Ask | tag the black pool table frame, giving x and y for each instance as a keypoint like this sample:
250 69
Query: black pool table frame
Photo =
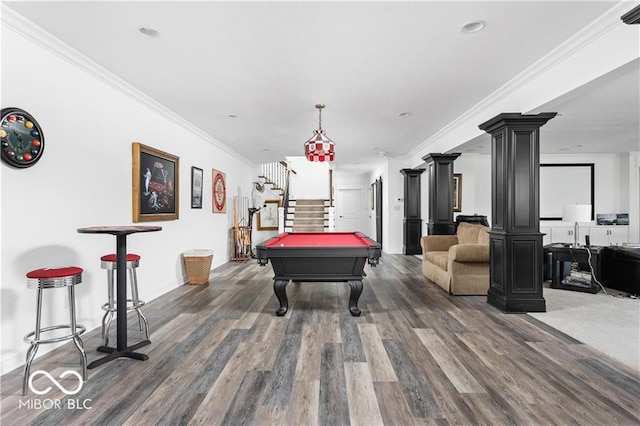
318 264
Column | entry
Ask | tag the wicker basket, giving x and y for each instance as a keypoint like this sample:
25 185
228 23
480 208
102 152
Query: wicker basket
198 265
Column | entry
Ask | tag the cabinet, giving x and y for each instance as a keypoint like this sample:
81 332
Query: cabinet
599 235
546 237
568 261
563 234
608 235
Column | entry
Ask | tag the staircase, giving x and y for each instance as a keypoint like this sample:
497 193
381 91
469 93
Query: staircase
300 215
306 215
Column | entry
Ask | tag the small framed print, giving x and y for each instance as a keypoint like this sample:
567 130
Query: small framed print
457 192
219 191
196 188
268 216
155 184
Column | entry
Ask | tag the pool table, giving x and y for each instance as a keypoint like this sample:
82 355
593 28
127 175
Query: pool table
318 257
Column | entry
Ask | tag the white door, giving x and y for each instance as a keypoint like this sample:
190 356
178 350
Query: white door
349 210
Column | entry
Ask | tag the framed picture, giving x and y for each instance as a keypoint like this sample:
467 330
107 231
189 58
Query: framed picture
219 191
457 192
155 184
196 188
268 216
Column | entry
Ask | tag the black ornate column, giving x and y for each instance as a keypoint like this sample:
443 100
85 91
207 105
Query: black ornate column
632 17
412 222
515 275
440 172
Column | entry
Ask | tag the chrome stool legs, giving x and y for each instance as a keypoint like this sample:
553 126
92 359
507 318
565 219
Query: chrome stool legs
134 303
46 278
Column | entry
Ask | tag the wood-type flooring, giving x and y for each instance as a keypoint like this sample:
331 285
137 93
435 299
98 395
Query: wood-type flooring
220 355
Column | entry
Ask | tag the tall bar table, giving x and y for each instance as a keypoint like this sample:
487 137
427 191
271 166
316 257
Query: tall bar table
121 350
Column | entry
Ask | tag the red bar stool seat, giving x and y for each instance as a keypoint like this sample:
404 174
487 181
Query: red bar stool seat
46 278
109 262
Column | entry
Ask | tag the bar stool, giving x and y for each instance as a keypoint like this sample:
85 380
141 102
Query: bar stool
109 262
45 278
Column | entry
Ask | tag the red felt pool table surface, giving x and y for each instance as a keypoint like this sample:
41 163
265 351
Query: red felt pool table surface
319 239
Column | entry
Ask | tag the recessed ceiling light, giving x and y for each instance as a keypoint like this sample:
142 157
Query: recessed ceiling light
404 114
148 31
232 116
473 27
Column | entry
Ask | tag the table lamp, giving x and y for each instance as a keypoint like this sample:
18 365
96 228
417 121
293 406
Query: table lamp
576 213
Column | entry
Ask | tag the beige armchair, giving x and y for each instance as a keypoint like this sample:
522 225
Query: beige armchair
458 263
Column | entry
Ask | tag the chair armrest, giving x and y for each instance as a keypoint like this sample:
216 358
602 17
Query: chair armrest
472 253
437 242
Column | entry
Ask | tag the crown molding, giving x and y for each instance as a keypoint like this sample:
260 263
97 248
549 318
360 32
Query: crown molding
603 24
22 26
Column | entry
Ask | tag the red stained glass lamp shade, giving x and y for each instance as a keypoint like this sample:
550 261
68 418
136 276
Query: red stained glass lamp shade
319 148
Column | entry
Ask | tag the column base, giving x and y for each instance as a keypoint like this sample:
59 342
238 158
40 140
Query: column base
513 305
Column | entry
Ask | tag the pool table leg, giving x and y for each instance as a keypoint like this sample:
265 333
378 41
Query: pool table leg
356 291
280 288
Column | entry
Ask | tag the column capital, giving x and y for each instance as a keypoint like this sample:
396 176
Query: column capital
437 157
515 118
412 172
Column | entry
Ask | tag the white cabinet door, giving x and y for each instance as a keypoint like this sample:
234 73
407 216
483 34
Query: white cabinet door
583 231
609 235
562 235
599 236
546 238
618 235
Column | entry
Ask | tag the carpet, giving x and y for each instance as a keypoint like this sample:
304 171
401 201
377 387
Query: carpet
608 322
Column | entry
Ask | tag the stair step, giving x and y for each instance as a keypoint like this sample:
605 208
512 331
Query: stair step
299 202
308 221
309 214
308 228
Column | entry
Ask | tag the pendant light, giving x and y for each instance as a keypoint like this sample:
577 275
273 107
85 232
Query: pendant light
319 148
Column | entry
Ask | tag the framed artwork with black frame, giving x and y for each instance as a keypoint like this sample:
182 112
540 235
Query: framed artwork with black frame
196 187
268 216
155 184
457 192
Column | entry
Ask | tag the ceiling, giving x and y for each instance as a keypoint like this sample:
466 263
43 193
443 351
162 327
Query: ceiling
250 73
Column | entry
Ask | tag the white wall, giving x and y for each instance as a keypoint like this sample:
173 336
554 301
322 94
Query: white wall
476 184
611 185
392 203
311 180
84 179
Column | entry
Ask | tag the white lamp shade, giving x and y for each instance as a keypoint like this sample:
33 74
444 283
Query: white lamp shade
576 212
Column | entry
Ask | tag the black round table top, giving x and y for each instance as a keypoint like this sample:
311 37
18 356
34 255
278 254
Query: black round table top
119 230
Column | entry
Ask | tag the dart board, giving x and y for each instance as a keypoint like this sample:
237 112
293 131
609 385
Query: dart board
21 138
219 192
